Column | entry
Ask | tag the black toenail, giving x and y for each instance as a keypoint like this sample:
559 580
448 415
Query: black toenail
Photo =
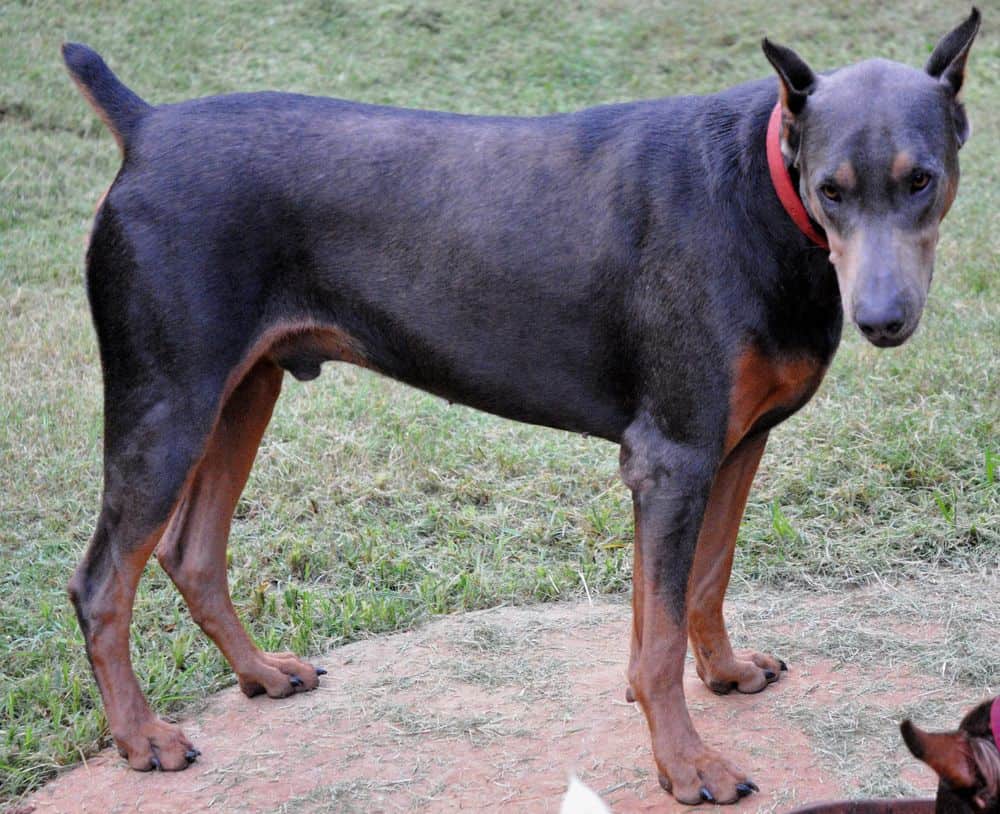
156 763
769 675
743 789
191 754
706 795
665 783
321 671
783 665
296 681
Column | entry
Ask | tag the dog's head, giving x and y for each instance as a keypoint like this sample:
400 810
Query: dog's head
876 149
967 761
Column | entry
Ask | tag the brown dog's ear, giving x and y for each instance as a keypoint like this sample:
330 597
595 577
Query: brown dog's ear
797 78
947 753
947 63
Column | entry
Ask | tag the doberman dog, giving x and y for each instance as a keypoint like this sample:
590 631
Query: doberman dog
967 761
640 272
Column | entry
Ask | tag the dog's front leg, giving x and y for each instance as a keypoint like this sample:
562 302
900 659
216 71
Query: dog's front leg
719 667
670 483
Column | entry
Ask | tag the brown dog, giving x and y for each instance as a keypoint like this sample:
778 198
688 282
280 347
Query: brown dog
967 760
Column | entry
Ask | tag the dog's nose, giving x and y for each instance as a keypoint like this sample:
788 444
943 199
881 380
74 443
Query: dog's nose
882 324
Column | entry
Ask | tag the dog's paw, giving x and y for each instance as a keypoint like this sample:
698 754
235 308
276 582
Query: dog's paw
278 675
746 672
705 777
155 744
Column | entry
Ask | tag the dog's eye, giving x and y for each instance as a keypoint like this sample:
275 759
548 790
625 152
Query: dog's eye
919 180
830 192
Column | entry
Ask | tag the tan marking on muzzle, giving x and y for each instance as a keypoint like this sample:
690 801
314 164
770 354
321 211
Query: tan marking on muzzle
845 254
914 253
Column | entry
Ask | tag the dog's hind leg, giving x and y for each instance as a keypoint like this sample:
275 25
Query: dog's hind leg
151 445
170 365
193 548
718 666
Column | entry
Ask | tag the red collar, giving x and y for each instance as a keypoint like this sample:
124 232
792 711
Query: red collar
995 720
783 182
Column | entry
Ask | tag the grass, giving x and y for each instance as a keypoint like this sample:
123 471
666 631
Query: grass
373 507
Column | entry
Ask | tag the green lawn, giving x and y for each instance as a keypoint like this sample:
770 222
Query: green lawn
373 506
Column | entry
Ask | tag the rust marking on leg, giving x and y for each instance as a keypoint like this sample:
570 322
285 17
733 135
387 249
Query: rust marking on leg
193 549
713 563
103 588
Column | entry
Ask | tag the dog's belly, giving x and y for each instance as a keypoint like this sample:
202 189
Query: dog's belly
532 343
519 382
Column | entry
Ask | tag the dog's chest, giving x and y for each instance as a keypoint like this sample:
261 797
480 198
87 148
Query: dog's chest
767 389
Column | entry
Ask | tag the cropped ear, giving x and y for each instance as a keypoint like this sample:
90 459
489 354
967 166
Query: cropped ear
797 78
947 62
947 753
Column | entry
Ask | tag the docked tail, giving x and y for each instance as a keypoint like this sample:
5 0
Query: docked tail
118 107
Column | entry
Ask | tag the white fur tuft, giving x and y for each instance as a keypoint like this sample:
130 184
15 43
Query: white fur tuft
581 800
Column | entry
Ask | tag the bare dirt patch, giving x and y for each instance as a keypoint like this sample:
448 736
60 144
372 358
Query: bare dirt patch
491 710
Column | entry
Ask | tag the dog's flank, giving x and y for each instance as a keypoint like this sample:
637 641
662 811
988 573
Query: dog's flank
626 271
